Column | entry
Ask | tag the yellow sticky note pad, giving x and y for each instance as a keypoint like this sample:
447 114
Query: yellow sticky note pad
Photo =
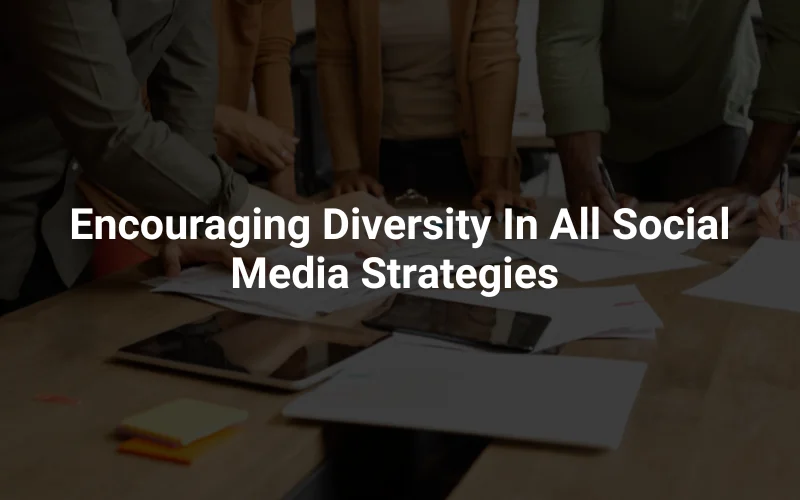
181 422
182 455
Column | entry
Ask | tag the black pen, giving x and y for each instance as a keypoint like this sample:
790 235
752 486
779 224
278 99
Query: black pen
783 182
606 179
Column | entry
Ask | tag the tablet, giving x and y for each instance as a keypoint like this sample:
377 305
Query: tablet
268 352
481 326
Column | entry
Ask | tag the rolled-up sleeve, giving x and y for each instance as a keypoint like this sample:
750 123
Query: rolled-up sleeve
75 54
272 71
570 70
493 74
336 70
777 97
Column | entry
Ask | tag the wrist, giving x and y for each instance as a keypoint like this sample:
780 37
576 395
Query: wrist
493 172
226 121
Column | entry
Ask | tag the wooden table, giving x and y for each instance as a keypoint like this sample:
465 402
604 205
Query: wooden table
716 417
61 346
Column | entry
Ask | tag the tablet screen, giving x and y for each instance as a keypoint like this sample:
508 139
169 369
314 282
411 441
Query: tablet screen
248 345
480 325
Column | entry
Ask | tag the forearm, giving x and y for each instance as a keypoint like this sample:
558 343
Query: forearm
272 71
494 171
493 73
578 151
336 69
283 184
770 144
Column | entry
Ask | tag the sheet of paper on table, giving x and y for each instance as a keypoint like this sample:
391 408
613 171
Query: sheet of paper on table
577 313
766 276
583 263
550 399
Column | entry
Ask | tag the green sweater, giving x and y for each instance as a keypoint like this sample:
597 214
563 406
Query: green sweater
654 74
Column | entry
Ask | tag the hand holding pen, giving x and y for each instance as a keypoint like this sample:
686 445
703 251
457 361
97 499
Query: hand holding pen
593 187
779 211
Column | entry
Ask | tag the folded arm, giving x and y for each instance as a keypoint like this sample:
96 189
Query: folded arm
77 58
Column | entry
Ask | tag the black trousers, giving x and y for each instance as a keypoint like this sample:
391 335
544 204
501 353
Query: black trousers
433 167
709 161
41 281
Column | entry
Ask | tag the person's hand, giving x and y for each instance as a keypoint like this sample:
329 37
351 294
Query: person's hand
500 198
351 182
368 206
176 255
256 138
742 204
771 218
492 194
585 188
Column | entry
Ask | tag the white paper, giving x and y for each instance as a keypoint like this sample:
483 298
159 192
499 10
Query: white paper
551 399
214 283
590 264
607 312
765 276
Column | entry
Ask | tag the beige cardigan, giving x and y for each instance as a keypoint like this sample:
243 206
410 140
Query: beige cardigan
487 66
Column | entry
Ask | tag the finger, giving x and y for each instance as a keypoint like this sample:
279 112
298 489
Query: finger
791 216
287 157
286 150
381 207
248 255
741 216
361 186
289 144
337 189
347 188
268 157
769 203
629 202
376 188
525 202
709 206
501 201
608 207
171 259
680 207
224 256
767 226
479 205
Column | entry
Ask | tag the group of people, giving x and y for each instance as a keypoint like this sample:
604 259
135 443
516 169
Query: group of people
146 105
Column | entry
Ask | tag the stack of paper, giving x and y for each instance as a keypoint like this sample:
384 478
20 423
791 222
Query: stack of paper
607 257
551 399
179 431
213 284
766 276
607 312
